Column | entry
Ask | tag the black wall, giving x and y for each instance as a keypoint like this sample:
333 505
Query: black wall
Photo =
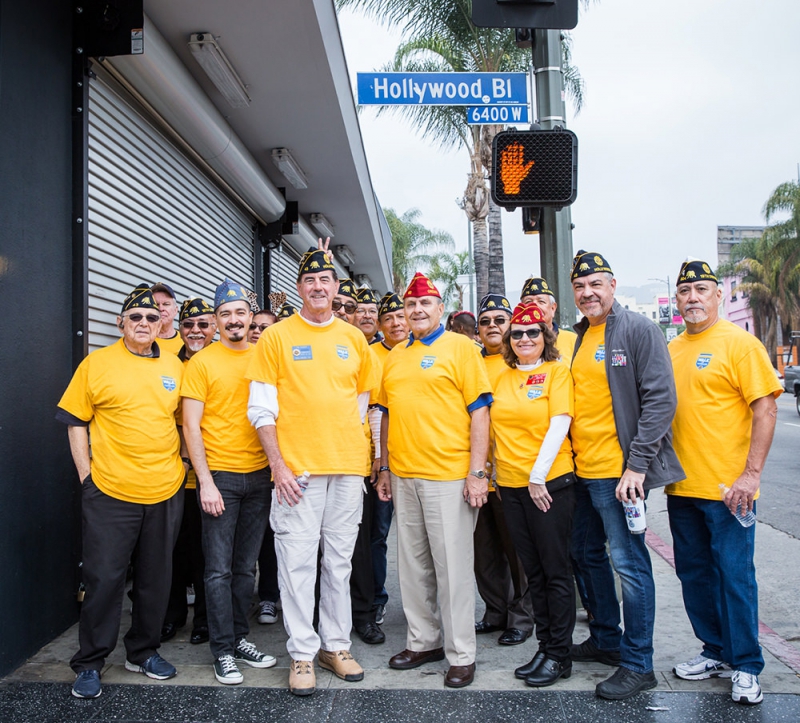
39 506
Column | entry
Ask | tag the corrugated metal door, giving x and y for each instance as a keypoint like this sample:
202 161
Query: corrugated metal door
153 215
284 262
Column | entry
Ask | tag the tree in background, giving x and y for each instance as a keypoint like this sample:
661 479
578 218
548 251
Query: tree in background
445 271
414 246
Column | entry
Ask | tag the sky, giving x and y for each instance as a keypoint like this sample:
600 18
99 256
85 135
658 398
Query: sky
691 119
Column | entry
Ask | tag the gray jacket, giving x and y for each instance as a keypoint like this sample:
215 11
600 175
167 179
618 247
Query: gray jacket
639 373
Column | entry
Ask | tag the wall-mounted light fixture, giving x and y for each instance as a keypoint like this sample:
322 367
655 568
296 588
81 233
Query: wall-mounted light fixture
344 254
289 167
218 68
363 280
323 226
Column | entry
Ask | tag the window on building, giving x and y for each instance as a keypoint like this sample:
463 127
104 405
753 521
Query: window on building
733 290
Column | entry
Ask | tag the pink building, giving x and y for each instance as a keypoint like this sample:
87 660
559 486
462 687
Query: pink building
734 303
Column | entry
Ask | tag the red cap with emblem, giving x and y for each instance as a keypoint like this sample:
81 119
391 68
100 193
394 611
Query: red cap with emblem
527 314
421 285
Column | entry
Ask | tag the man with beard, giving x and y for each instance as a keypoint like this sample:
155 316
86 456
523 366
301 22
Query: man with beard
168 338
197 326
501 581
233 481
537 291
366 316
344 303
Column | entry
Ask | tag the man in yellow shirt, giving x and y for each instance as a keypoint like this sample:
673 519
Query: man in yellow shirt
537 291
721 371
435 395
233 484
311 379
622 440
344 303
501 581
126 397
168 338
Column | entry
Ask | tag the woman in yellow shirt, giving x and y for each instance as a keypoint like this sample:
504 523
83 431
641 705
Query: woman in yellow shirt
531 414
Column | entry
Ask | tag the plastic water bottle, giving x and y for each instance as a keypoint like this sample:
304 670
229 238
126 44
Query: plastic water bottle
634 515
302 480
746 519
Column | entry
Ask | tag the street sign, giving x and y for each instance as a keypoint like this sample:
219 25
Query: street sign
442 88
542 14
498 114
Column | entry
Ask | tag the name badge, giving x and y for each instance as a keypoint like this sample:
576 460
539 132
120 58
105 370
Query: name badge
302 353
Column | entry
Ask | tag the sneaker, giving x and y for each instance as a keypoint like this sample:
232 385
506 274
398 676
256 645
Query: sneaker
302 679
154 667
267 612
87 684
246 652
701 668
380 614
341 664
624 683
745 688
588 652
226 670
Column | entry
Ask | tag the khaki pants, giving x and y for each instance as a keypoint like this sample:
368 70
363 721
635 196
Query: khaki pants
435 565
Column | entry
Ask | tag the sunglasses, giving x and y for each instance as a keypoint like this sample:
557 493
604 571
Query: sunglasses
151 318
497 321
349 306
188 324
531 333
260 327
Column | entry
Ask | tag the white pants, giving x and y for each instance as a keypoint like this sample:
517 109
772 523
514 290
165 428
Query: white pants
435 558
326 518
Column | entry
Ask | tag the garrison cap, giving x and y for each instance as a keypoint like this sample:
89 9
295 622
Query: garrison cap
695 270
230 291
194 307
286 310
140 298
314 261
527 314
587 263
389 303
366 296
534 286
494 302
421 285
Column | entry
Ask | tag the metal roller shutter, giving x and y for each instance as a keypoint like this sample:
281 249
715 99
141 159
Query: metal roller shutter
153 215
283 264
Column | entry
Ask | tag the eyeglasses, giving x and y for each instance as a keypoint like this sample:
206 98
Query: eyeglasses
531 333
366 312
349 306
497 320
260 327
137 317
189 324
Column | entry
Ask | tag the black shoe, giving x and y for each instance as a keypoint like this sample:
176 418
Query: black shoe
371 633
588 652
169 631
549 672
625 683
513 636
525 670
482 627
199 636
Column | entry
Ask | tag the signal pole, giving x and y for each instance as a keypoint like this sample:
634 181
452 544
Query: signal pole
555 238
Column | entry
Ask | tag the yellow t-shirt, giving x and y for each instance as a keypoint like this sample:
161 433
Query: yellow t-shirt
173 345
319 372
594 435
524 402
216 377
495 366
718 374
427 389
565 343
191 476
130 403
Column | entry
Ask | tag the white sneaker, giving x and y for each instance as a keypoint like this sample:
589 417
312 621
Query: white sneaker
701 668
226 670
746 689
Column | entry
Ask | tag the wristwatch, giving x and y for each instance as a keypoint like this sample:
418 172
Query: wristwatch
479 473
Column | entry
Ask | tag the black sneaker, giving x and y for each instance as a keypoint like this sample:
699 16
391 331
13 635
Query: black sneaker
226 671
624 683
246 652
588 652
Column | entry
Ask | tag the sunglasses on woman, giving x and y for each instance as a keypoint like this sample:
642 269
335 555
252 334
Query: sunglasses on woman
349 306
531 333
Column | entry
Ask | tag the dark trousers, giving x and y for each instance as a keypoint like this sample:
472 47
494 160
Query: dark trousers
502 583
381 523
231 543
116 533
188 568
543 540
362 583
268 569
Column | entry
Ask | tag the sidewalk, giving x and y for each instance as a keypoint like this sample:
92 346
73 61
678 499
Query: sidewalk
41 685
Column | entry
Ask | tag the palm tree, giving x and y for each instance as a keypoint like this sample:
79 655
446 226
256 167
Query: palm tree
446 270
440 37
413 245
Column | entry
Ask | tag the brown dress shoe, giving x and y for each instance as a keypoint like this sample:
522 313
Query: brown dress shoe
409 659
460 676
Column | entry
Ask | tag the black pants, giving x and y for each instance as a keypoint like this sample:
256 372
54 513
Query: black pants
542 540
362 581
268 569
502 583
188 567
116 533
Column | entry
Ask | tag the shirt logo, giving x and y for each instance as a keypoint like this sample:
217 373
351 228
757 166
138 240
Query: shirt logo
302 353
535 392
600 354
619 359
427 362
536 379
703 361
342 351
169 383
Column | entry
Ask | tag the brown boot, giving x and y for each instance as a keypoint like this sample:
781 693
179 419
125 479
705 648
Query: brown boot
342 664
302 680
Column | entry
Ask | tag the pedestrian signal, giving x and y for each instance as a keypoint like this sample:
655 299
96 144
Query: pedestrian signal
535 168
553 14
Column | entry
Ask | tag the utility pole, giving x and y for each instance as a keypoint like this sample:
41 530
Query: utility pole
555 239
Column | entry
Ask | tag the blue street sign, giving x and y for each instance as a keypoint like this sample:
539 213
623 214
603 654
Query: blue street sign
442 88
498 114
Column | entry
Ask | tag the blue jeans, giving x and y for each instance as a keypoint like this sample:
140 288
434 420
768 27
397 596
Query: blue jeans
381 522
231 543
714 562
599 516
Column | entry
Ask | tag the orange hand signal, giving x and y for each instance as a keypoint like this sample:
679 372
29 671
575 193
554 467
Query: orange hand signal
513 169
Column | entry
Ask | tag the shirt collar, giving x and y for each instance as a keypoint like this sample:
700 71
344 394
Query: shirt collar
426 340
